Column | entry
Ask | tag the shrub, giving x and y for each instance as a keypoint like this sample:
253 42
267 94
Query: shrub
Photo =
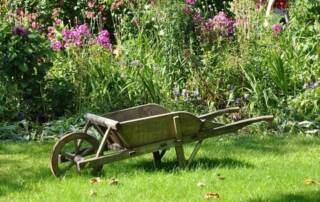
24 61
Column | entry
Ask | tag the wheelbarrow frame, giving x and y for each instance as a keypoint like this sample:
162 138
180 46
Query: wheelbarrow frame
112 140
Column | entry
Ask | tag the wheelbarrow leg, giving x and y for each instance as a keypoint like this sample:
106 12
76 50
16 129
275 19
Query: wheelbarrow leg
179 147
180 156
157 156
194 153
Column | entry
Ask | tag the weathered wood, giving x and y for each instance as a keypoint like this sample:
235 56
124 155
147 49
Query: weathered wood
103 142
145 129
179 147
157 128
166 144
137 112
233 127
102 121
194 153
215 114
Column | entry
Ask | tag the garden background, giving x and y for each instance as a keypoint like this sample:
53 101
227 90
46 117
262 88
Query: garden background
61 59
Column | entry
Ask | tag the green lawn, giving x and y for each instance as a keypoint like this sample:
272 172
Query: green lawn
255 168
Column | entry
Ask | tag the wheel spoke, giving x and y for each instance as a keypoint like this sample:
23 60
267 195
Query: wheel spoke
87 151
66 156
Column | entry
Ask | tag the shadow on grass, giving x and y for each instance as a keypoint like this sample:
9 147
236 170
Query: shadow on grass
17 168
297 197
261 144
202 163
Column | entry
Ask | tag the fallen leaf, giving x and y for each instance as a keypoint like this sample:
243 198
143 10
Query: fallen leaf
92 193
114 181
311 182
211 195
95 180
221 178
200 184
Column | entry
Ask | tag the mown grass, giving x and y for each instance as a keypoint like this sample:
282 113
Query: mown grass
256 168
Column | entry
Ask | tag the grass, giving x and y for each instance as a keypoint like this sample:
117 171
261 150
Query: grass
256 169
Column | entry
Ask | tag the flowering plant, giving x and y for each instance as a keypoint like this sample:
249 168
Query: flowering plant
24 60
62 37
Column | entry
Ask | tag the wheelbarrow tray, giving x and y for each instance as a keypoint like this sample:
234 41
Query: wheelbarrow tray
153 129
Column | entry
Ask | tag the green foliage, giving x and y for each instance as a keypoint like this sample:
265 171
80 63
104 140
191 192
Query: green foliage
162 54
25 59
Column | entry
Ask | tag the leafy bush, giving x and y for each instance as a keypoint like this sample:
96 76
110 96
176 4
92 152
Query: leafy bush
24 61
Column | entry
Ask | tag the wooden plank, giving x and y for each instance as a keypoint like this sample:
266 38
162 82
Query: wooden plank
137 112
157 128
212 115
103 142
102 121
179 147
233 127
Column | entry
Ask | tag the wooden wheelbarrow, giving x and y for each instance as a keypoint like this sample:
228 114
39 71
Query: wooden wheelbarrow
136 131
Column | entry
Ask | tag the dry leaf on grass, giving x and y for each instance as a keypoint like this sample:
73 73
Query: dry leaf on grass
311 182
221 178
211 195
95 180
200 184
92 193
114 181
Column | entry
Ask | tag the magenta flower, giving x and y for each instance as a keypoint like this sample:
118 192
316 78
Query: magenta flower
56 45
190 2
103 39
84 30
277 28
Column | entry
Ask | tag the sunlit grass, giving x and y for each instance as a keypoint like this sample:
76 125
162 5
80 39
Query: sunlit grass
255 168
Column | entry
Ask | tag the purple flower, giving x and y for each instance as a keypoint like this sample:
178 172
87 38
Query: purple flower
222 24
190 2
19 30
66 34
103 39
84 30
277 28
56 45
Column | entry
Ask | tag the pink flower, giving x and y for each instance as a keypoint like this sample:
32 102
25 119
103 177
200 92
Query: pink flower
56 45
277 28
103 39
187 10
190 2
222 24
196 17
91 4
51 29
34 25
58 22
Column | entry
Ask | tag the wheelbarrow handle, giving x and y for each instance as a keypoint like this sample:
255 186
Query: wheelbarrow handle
233 127
214 114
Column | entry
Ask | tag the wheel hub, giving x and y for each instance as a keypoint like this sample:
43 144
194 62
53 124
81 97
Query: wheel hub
78 158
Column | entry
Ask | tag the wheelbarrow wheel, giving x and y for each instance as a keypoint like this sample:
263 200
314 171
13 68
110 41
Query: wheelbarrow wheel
70 149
